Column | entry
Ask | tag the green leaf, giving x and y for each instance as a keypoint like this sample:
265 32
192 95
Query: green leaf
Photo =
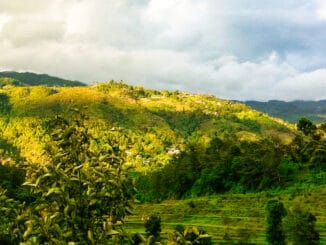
55 190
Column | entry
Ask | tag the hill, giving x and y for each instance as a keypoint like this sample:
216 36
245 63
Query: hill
199 136
33 79
292 111
173 145
155 121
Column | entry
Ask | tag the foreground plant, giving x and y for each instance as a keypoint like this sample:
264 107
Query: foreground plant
83 192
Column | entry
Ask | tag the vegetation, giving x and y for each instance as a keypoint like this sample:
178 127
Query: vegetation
275 212
292 111
68 175
302 226
32 79
153 226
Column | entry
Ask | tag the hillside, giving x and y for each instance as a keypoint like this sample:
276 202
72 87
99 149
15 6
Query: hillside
109 143
33 79
292 111
155 121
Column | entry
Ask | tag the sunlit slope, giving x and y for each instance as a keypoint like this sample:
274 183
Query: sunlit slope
152 121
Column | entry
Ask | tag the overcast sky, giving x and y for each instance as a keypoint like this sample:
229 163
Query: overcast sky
234 49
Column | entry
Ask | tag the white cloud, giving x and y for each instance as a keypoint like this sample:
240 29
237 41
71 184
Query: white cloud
321 10
234 49
306 85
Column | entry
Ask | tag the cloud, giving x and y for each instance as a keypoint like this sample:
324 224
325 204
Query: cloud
29 32
246 49
321 10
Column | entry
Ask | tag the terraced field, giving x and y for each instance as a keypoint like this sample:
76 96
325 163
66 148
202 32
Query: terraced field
230 218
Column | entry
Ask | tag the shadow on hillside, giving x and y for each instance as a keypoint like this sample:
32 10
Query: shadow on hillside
5 106
185 122
11 177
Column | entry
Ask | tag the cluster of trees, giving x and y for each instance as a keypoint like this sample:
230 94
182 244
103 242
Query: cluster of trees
228 164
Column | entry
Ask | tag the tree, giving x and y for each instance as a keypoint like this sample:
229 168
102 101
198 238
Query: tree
153 228
306 126
275 214
153 225
302 226
82 193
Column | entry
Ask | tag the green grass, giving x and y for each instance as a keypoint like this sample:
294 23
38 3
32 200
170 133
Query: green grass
236 216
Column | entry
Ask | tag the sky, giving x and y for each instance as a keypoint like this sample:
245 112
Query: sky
240 50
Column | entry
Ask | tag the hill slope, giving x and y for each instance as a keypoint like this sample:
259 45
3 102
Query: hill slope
155 121
181 145
33 79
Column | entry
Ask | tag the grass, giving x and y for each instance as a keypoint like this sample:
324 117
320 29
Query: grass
229 218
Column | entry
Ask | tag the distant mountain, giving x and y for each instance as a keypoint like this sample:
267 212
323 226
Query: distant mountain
292 111
33 79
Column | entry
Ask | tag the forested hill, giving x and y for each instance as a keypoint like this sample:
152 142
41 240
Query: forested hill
292 111
33 79
158 123
81 151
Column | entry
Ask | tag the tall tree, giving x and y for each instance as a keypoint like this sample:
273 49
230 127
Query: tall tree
275 214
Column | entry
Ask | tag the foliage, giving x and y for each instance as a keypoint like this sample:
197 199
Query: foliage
9 211
155 121
178 144
306 126
5 106
153 226
275 213
224 165
190 235
82 193
11 179
301 225
311 151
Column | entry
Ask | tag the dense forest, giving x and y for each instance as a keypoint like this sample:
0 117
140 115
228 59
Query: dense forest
77 160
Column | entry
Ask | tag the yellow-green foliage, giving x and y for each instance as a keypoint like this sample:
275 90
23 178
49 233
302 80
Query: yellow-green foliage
154 121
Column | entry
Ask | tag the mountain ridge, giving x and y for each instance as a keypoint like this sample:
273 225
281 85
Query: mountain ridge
292 111
34 79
